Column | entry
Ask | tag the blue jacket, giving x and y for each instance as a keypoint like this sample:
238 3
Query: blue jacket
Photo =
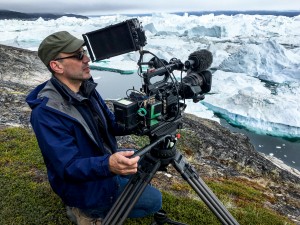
77 164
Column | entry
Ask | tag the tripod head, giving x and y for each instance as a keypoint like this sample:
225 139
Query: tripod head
160 149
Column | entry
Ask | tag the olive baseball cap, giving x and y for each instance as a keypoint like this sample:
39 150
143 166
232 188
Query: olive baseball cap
56 43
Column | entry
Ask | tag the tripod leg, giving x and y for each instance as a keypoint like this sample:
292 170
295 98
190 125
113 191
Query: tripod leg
133 190
135 197
207 196
124 205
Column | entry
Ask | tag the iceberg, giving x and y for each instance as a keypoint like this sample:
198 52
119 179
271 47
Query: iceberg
245 101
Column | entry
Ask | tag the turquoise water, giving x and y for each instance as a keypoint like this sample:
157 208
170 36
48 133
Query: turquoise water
286 150
114 85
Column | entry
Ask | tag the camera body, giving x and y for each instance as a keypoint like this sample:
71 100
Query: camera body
155 114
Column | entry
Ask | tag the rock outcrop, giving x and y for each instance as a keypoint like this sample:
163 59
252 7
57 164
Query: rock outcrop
20 71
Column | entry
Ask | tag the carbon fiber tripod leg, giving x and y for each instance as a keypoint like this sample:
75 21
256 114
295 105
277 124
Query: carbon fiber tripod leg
133 190
207 196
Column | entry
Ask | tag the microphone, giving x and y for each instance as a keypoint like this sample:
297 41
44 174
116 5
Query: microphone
199 61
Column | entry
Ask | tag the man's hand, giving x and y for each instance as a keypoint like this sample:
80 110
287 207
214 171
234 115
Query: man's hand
119 163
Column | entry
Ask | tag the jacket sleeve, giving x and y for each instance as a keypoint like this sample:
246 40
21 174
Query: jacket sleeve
61 151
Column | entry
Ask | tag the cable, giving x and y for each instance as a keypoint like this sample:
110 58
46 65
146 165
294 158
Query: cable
170 75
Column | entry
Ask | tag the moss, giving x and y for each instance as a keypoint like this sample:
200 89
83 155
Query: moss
188 143
180 187
26 197
140 141
240 189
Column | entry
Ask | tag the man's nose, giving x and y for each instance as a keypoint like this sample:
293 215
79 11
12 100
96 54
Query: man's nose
86 59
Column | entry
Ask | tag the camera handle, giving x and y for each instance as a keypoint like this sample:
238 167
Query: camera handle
152 160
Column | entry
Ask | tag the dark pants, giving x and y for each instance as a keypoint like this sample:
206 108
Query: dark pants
149 202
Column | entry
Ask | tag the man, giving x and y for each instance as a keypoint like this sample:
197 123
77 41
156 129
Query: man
76 134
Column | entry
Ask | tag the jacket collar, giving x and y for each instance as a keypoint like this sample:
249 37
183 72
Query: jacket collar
86 89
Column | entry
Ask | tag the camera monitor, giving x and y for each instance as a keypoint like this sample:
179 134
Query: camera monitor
115 40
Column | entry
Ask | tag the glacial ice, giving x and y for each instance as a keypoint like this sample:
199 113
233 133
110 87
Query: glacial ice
256 83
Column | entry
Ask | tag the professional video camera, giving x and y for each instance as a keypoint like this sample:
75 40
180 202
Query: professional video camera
155 110
157 107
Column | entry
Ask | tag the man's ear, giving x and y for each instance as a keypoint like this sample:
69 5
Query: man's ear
56 66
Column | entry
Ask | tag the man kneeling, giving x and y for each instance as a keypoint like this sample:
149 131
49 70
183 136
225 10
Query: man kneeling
76 134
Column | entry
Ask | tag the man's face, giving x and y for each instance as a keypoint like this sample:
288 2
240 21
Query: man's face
75 69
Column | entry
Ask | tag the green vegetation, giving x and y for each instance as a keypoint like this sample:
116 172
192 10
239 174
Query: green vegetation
26 197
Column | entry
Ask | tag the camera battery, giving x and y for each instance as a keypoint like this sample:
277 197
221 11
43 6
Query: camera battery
126 113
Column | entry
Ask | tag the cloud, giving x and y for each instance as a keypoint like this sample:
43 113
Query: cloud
144 6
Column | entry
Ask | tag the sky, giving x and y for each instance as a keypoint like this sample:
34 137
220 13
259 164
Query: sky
102 7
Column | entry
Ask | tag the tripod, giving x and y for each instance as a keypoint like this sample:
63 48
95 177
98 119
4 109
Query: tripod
154 157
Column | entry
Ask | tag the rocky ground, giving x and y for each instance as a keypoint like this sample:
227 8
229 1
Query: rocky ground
20 70
215 152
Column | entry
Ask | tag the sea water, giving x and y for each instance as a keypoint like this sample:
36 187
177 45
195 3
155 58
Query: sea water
288 151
